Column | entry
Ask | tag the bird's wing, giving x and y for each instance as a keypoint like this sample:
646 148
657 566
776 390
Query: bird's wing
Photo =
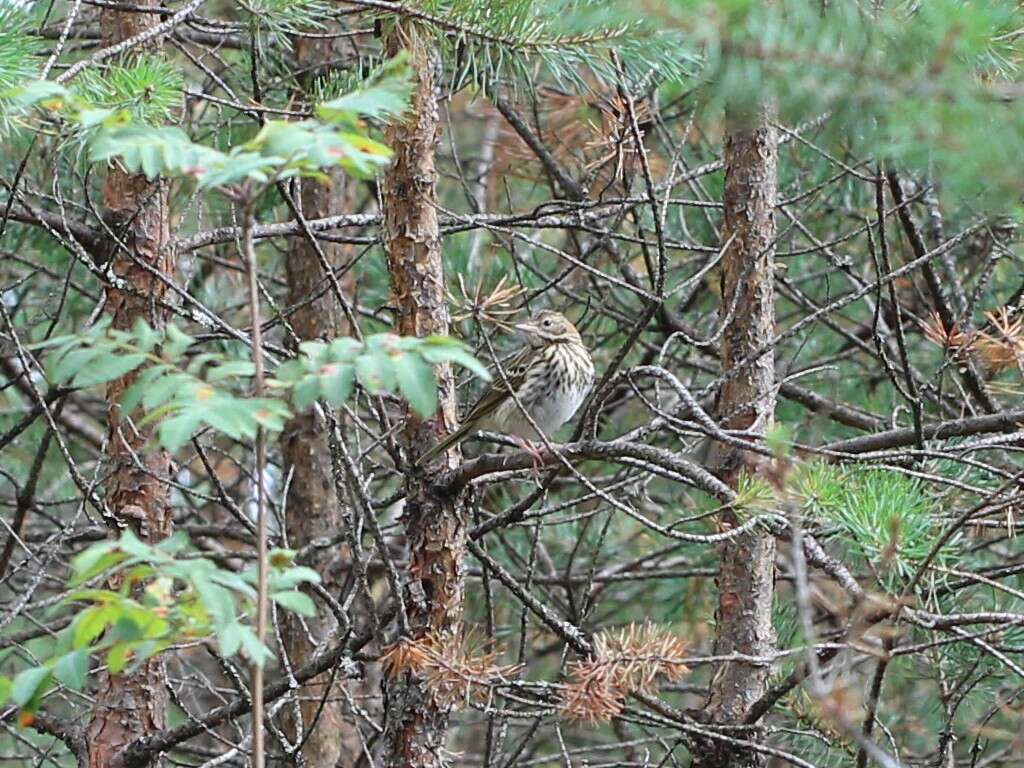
498 391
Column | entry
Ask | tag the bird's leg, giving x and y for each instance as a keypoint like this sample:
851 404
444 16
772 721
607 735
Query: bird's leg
535 453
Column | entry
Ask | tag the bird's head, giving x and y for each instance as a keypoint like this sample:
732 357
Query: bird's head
548 327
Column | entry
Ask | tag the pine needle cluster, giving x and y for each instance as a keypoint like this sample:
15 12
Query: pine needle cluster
630 660
456 673
149 88
881 515
19 56
1000 349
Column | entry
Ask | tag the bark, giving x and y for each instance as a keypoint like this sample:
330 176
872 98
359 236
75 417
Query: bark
746 402
416 724
329 735
133 704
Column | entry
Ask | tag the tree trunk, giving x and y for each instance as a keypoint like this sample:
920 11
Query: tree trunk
132 705
329 736
416 724
746 402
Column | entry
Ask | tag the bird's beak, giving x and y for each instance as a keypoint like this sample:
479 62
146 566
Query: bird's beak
525 327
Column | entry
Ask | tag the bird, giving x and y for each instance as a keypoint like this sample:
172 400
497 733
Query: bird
550 377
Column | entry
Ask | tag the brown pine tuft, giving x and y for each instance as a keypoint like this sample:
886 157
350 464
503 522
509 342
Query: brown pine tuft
405 655
455 673
630 660
591 702
496 307
593 131
1005 347
953 338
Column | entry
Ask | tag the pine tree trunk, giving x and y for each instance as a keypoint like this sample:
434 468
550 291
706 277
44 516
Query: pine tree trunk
746 402
330 737
133 704
416 725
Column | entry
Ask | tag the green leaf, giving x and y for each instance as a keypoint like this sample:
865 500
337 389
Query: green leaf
344 349
362 156
439 340
176 343
197 363
257 652
6 687
155 151
455 354
68 340
90 118
125 629
176 543
151 160
63 642
146 338
104 369
217 601
137 574
72 669
376 372
296 141
296 602
139 623
144 383
268 413
293 576
239 582
416 381
229 639
66 366
290 371
315 352
118 657
39 91
236 167
94 596
134 546
144 651
384 94
280 558
90 624
306 392
27 683
230 369
163 389
95 560
337 383
177 430
232 417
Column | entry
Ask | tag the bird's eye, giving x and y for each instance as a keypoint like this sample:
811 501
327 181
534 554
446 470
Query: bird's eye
547 323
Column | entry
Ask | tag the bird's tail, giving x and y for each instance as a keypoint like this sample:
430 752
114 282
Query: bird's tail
444 445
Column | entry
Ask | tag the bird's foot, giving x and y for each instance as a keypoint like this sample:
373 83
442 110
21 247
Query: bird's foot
536 453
